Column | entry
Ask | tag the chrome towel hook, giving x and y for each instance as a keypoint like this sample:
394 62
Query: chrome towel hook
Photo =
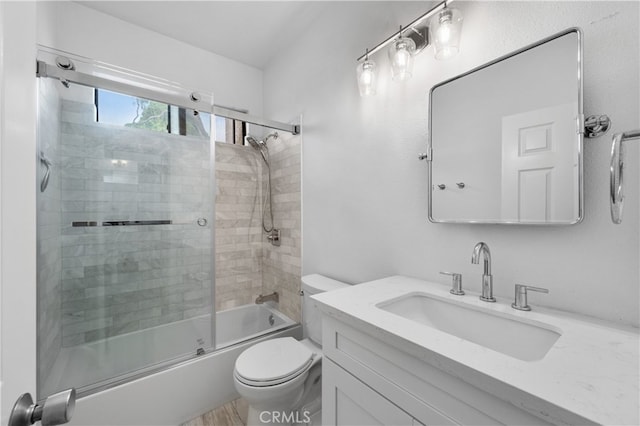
616 182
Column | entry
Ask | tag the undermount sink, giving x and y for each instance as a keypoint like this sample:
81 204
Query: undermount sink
527 341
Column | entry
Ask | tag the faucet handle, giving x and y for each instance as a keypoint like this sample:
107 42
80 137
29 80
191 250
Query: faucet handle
520 300
456 283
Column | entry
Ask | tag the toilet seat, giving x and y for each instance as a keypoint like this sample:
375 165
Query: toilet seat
273 362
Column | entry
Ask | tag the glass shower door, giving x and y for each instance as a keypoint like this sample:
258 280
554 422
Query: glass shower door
125 238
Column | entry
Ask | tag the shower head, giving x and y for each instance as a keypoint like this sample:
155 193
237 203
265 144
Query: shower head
256 144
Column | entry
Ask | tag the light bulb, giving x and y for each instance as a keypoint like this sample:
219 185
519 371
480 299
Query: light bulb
366 72
401 58
367 76
446 27
443 34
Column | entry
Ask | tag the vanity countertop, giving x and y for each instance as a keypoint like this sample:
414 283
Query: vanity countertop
592 370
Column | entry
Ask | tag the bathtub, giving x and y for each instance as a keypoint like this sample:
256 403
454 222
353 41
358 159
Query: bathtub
169 392
248 322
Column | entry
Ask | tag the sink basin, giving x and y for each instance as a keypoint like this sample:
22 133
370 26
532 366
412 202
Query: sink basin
524 340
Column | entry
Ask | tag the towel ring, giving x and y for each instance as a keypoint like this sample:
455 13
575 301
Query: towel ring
616 171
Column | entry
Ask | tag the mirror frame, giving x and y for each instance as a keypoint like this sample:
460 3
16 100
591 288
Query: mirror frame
579 131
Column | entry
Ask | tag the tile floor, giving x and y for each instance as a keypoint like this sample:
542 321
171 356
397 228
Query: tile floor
233 413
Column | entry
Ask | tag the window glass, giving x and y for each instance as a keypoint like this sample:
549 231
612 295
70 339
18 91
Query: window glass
230 131
130 111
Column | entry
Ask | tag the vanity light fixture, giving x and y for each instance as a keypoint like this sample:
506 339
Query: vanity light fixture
412 39
367 77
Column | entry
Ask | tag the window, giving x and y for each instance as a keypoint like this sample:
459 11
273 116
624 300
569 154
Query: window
130 111
230 131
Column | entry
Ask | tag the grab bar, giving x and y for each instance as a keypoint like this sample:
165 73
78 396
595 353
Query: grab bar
616 181
45 179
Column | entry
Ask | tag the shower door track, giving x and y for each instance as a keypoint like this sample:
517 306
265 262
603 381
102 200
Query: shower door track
193 101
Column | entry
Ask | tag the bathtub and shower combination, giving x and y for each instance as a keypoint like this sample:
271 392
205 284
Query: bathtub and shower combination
167 390
110 361
142 295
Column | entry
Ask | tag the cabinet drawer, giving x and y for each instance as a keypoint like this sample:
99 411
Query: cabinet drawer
348 401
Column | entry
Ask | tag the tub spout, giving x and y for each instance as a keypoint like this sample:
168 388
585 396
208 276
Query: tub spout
268 297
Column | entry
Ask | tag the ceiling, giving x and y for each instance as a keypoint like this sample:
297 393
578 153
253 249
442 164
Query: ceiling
251 32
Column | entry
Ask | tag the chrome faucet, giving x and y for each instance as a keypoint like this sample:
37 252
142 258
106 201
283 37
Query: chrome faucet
487 278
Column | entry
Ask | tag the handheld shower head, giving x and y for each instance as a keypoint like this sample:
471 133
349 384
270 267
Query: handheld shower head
257 145
261 146
252 141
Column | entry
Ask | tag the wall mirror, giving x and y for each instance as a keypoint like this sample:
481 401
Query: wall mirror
506 138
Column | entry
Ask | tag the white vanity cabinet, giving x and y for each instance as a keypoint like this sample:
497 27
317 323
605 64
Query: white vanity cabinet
367 381
392 358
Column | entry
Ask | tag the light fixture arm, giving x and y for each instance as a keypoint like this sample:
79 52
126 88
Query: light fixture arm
410 26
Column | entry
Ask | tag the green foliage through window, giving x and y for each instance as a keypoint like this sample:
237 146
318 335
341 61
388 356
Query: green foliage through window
129 111
150 115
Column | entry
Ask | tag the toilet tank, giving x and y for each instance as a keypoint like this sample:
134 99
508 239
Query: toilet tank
311 316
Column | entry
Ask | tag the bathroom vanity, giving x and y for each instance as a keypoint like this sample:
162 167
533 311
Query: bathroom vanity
403 351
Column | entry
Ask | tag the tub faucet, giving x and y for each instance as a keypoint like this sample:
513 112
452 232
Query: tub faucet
267 297
487 278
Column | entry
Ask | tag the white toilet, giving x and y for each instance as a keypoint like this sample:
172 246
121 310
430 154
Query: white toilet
280 378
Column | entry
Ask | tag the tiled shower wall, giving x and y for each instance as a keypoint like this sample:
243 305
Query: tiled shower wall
49 250
238 225
119 279
281 267
246 263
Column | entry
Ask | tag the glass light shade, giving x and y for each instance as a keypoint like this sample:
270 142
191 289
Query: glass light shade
446 27
367 78
401 58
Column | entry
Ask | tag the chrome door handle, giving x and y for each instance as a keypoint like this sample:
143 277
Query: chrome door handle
56 410
45 179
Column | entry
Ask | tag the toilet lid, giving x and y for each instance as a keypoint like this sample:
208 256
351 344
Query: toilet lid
272 361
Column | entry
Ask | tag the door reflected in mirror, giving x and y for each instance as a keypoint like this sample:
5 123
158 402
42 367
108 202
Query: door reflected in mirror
505 141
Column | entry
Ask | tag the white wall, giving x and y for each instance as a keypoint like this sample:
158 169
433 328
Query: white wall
365 193
86 32
18 204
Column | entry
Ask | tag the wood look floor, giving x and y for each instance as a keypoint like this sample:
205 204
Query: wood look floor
233 413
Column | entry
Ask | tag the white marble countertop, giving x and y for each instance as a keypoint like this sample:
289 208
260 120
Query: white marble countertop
592 370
